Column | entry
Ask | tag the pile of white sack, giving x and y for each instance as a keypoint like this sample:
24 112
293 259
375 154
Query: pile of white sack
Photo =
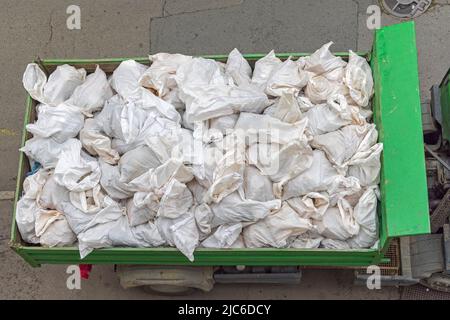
191 152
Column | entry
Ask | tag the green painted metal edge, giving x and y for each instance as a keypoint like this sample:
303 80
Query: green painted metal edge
397 113
445 105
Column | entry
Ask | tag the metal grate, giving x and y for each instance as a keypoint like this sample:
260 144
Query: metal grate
391 268
419 292
405 8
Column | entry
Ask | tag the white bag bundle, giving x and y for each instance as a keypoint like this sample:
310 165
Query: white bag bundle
76 170
338 223
92 94
181 232
46 151
238 68
160 77
224 236
59 87
324 63
89 201
320 88
110 181
136 162
365 213
315 179
144 235
176 200
343 187
287 109
331 116
60 123
264 68
142 208
224 124
28 208
366 165
203 217
197 190
257 186
341 145
334 244
235 208
286 78
307 240
53 195
276 229
358 78
53 230
310 206
125 78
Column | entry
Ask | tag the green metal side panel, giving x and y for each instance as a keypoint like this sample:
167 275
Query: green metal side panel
445 105
397 113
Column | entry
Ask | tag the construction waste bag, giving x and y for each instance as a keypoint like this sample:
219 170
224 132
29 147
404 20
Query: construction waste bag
190 152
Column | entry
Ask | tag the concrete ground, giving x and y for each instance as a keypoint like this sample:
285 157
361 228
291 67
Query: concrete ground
113 28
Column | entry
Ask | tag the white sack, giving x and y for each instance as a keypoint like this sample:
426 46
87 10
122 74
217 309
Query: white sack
92 94
315 179
365 213
62 82
160 77
323 62
144 235
176 201
76 170
224 236
27 207
366 165
136 162
234 208
359 80
203 217
125 78
343 187
53 230
34 80
264 68
224 124
307 240
53 195
89 201
334 244
181 232
60 123
320 88
275 229
142 208
338 223
310 206
238 68
110 181
287 109
286 78
197 190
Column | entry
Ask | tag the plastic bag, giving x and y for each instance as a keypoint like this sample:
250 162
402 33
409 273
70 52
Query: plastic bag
53 230
264 68
238 68
76 170
365 213
125 78
203 217
286 78
323 62
319 89
53 195
224 124
234 208
181 232
142 208
287 109
144 235
359 80
334 244
92 94
136 162
307 240
341 145
89 201
224 236
257 186
59 87
27 207
275 229
60 123
338 223
366 165
315 179
110 181
160 77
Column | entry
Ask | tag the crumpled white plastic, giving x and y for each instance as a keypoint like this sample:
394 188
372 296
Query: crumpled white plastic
286 78
160 77
315 179
276 228
238 68
28 208
135 162
311 206
125 78
203 217
235 208
257 186
224 236
365 213
359 80
307 240
323 62
224 124
366 165
59 86
142 208
181 232
53 230
320 88
60 123
76 170
264 68
176 201
89 201
110 181
92 93
53 195
287 109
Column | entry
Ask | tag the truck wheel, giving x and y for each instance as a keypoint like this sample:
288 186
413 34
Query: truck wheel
168 290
